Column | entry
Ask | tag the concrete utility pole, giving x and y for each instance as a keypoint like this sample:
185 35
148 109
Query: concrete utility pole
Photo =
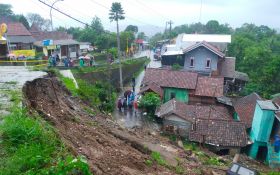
119 56
51 11
170 27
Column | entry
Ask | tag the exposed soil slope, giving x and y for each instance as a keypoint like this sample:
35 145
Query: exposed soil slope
108 148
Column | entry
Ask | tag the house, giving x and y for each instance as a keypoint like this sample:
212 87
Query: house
206 55
212 125
174 84
184 86
245 108
177 117
56 42
19 39
265 133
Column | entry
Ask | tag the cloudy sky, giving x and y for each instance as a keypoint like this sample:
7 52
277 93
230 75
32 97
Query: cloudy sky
154 13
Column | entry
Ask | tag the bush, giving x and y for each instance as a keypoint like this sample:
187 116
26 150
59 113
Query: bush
150 101
176 67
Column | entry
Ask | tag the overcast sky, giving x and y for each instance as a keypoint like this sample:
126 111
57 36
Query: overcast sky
155 13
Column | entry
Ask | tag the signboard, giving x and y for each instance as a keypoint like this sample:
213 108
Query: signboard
27 53
3 29
47 42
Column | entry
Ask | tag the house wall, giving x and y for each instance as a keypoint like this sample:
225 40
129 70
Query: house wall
180 94
262 124
200 55
178 125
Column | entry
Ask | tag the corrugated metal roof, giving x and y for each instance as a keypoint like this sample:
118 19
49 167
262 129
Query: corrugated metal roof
173 52
267 105
207 38
20 39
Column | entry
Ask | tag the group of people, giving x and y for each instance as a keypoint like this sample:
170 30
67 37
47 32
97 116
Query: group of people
127 101
53 59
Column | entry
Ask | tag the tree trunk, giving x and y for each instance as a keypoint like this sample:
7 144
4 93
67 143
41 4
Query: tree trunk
119 55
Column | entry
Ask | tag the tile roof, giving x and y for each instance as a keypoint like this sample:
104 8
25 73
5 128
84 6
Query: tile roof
210 87
245 108
190 112
152 87
170 78
213 112
54 35
207 46
276 100
20 39
17 29
178 108
219 133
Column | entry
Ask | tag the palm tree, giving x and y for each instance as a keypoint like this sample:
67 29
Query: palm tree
116 14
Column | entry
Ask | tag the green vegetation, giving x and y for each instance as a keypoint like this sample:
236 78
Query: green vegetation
176 67
98 95
149 162
256 49
150 101
70 85
158 158
29 145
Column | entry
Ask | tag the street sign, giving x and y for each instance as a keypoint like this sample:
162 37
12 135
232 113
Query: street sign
47 42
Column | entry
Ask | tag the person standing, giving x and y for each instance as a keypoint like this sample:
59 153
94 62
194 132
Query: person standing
82 62
91 61
133 84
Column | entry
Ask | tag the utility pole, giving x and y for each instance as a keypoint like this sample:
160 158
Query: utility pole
51 11
170 27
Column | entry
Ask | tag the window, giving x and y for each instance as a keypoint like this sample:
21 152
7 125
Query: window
208 63
192 62
172 95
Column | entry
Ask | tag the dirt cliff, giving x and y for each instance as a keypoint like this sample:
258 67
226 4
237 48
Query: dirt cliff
108 148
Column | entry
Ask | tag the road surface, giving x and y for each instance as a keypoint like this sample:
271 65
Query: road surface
13 78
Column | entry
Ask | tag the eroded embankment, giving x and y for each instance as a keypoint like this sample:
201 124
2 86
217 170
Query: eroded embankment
88 135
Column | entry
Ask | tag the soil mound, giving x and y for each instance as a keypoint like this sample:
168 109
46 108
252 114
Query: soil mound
108 148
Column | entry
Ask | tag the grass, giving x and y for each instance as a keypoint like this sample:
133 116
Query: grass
156 156
70 85
29 145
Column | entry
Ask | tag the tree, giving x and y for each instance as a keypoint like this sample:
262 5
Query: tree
141 35
150 101
23 20
131 28
116 14
212 27
96 25
39 21
6 10
126 39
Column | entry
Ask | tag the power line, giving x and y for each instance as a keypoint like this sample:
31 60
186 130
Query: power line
134 19
152 10
64 13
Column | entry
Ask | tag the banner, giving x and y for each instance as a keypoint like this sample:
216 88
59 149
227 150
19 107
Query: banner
27 53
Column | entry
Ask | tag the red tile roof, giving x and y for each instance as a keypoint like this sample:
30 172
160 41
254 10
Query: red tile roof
182 110
210 87
219 133
152 87
170 78
17 29
245 108
207 46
